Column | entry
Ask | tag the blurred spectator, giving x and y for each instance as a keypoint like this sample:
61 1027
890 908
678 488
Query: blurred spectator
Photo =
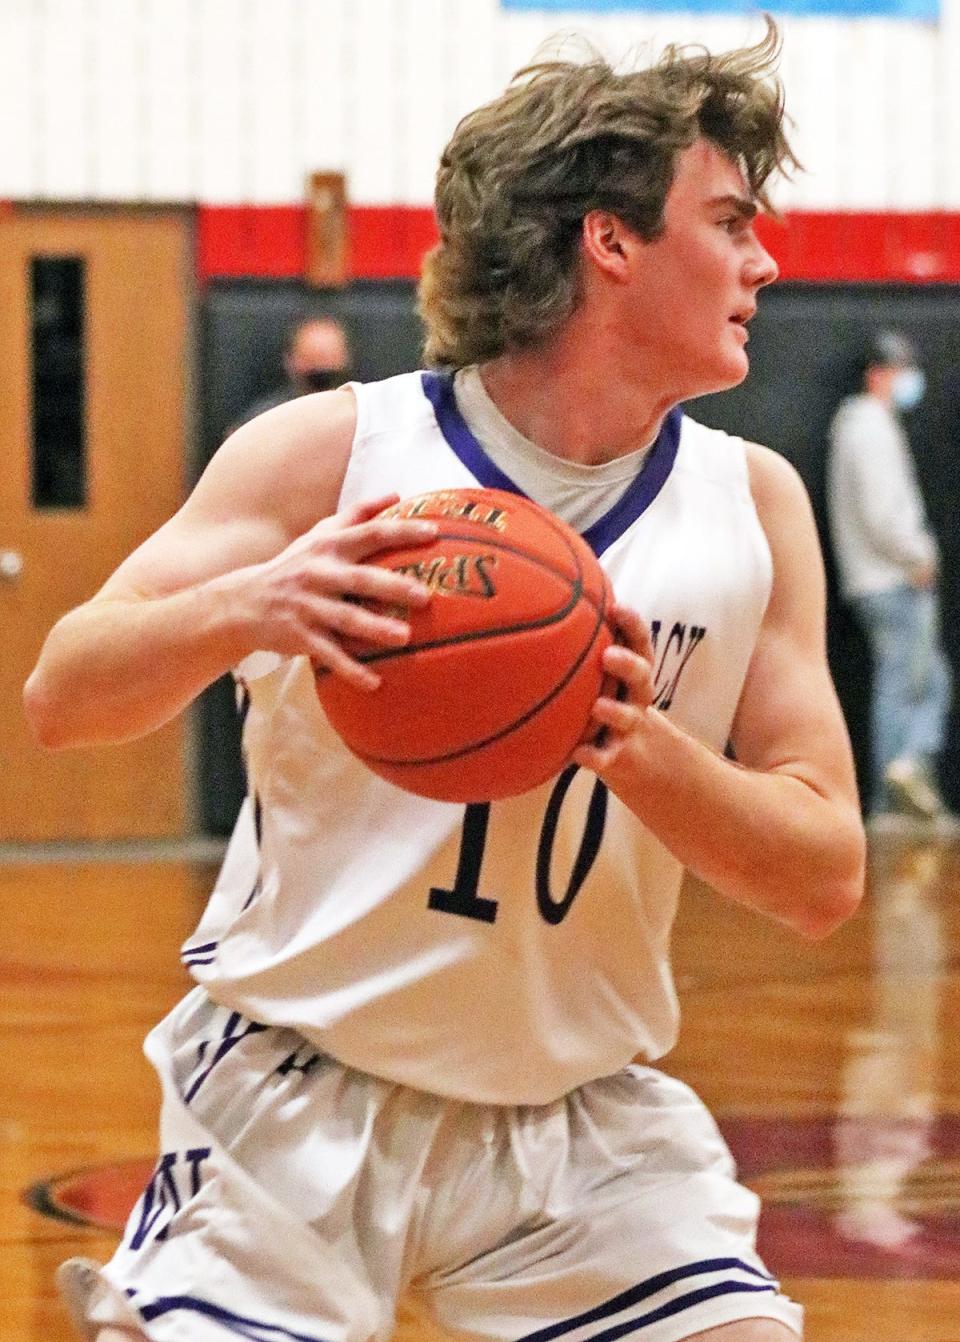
316 357
888 564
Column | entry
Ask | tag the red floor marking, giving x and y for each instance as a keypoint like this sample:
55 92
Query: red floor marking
859 1198
100 1195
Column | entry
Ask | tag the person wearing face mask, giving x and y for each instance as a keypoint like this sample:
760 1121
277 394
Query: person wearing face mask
316 357
888 564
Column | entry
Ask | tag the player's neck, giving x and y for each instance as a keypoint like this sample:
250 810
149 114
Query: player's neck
575 399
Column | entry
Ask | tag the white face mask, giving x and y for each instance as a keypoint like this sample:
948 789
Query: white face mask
909 384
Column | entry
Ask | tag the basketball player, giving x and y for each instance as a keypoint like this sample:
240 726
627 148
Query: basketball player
406 1066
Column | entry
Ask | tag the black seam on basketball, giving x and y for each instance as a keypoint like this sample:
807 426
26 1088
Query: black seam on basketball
475 635
504 731
558 528
577 593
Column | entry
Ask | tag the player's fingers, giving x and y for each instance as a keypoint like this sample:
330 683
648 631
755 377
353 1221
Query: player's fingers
384 533
374 583
597 757
328 529
633 670
351 620
328 656
616 716
611 722
633 631
362 512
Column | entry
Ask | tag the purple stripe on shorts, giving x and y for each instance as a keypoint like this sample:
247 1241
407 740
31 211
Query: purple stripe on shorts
652 1286
256 1329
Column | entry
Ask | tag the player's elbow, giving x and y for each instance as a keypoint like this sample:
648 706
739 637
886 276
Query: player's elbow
45 722
839 888
832 908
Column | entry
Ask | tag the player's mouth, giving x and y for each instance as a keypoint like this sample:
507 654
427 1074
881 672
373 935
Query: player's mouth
740 319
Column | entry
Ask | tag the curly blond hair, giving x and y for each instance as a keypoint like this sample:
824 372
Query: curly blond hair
565 138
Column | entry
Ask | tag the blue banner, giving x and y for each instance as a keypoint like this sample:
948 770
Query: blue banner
925 10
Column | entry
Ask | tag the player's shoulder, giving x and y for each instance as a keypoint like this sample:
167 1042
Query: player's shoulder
288 462
297 433
778 490
326 419
767 472
279 396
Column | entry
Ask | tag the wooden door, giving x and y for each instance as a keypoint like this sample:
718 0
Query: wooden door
92 434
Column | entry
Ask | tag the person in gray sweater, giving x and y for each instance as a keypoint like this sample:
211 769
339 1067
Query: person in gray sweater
888 567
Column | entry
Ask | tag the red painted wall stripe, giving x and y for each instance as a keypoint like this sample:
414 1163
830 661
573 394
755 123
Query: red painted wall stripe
385 241
914 248
251 240
389 241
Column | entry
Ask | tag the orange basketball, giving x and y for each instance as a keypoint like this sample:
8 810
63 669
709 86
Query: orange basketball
494 690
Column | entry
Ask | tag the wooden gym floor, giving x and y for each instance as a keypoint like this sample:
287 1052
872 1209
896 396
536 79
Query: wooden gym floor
833 1068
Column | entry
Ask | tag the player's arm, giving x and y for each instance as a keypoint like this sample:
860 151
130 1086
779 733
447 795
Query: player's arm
256 559
779 829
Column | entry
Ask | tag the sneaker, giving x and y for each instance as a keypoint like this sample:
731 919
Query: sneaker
76 1279
912 790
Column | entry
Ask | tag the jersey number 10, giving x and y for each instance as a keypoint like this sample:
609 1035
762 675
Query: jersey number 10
465 900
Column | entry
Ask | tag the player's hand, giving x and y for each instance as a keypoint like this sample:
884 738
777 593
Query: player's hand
311 597
616 718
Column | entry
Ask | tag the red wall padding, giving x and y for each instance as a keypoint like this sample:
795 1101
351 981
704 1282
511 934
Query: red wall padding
389 241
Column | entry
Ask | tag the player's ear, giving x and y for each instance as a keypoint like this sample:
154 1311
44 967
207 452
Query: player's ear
606 242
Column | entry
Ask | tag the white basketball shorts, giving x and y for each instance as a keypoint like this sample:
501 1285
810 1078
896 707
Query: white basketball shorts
296 1200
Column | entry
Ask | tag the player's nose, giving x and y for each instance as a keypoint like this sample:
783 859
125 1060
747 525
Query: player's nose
761 267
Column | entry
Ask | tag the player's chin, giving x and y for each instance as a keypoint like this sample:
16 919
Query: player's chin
733 367
726 369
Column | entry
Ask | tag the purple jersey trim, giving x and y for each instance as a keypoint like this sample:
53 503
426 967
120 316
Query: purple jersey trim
638 496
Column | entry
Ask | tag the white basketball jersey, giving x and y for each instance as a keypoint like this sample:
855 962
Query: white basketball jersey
503 952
